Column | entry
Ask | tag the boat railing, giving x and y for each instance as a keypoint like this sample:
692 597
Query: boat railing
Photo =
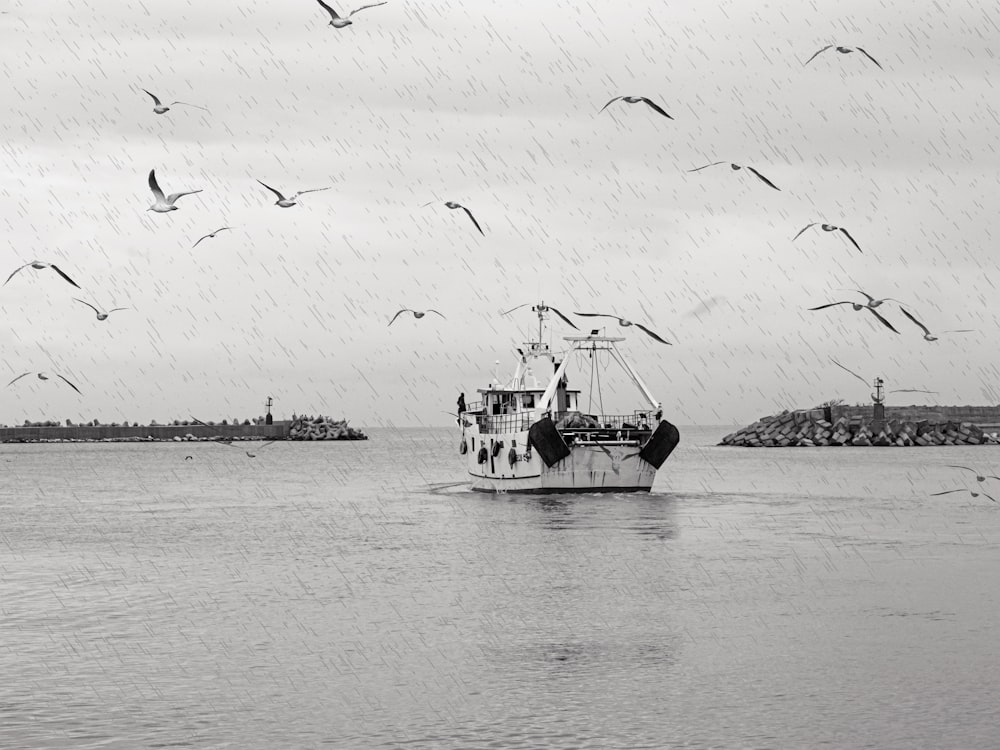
474 406
493 423
575 421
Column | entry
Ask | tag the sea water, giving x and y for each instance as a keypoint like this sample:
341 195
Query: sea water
352 595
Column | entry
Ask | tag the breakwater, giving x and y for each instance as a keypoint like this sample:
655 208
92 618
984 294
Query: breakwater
323 428
811 428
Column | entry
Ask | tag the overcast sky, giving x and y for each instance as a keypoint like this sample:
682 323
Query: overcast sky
493 105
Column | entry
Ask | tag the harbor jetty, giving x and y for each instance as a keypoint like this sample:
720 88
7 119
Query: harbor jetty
850 426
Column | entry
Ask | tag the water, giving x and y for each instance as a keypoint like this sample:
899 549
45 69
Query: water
342 595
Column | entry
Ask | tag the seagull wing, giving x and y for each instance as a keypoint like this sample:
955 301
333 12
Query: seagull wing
919 324
882 320
864 294
356 10
397 315
764 179
203 238
58 271
313 190
657 108
869 57
989 496
568 321
174 196
17 378
154 186
953 466
910 390
15 272
328 9
947 492
280 196
706 166
804 229
516 308
817 53
850 371
469 214
596 315
961 330
609 104
155 99
68 383
832 304
436 313
650 333
853 242
203 109
88 305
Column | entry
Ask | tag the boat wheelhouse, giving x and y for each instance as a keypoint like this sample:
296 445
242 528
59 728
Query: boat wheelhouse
530 435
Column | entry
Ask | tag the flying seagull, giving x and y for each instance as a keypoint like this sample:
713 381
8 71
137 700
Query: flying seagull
829 228
624 324
416 314
543 308
100 315
843 51
858 306
872 301
161 108
211 235
636 100
974 494
979 477
927 334
164 204
895 390
736 167
289 202
452 205
337 22
38 265
43 376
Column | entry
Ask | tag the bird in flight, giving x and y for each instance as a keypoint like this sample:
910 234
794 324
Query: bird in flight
927 334
737 167
625 324
895 390
38 266
289 202
164 204
872 301
452 205
829 228
979 477
100 315
416 314
161 108
43 376
211 235
858 306
337 22
636 100
543 308
843 51
974 494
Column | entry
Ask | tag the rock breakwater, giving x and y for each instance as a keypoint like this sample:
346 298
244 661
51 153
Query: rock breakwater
323 428
808 428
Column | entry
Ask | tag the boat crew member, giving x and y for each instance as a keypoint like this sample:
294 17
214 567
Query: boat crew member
461 403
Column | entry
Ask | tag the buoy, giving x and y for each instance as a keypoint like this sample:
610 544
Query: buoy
483 455
496 448
512 456
463 448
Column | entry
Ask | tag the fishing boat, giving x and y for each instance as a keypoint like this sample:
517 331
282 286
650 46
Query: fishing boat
529 435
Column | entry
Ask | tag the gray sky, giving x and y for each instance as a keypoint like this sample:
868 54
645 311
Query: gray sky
494 105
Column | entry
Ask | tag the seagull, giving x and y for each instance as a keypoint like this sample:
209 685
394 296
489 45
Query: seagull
843 51
830 228
336 21
208 236
452 205
43 376
974 494
289 202
872 302
164 204
895 390
543 308
101 315
858 306
263 445
624 324
636 100
38 265
736 167
927 334
416 314
161 108
979 477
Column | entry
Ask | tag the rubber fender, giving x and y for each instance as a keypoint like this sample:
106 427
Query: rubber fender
546 439
483 456
463 448
497 446
660 444
512 456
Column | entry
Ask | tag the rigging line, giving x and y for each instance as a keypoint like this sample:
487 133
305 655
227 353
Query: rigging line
600 396
590 405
